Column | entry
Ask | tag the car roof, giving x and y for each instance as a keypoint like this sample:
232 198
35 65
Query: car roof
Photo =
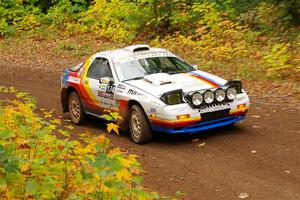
134 52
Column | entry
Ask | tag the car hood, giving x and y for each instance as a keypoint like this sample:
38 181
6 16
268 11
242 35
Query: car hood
158 84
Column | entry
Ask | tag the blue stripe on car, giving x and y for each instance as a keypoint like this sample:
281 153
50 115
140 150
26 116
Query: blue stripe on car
200 126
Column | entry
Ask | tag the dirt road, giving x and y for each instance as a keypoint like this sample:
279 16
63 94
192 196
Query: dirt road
260 156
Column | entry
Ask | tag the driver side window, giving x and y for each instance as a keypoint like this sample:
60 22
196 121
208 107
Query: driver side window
99 69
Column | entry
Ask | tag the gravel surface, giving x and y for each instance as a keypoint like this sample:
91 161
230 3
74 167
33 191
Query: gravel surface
259 157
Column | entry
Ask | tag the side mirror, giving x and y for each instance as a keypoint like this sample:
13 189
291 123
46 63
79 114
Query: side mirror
195 66
107 80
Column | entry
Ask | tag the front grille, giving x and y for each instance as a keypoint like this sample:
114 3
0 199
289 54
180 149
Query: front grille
214 115
214 104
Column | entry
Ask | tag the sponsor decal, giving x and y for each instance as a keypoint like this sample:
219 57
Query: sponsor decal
107 88
104 80
137 94
105 95
72 79
110 89
119 91
142 55
133 92
108 104
102 87
121 87
152 110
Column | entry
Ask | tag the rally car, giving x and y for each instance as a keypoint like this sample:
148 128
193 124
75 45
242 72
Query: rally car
153 90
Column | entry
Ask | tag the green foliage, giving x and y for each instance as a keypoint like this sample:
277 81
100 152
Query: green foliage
35 164
17 16
270 17
64 12
207 14
119 20
237 37
277 59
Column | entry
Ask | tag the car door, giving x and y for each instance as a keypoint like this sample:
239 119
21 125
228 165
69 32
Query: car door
101 85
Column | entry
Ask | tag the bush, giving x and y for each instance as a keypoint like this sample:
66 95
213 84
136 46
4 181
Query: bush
17 15
35 164
117 20
277 60
64 12
234 37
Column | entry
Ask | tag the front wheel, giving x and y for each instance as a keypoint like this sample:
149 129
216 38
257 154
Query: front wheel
139 126
75 109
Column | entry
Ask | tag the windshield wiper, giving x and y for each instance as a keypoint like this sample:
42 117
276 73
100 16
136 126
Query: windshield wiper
136 78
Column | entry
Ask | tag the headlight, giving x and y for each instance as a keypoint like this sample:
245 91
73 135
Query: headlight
237 84
209 97
231 93
197 99
220 95
172 98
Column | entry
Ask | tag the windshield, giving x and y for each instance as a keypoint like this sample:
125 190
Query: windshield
137 69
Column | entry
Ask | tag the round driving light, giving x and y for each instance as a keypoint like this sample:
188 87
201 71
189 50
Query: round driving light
209 96
231 93
220 95
197 99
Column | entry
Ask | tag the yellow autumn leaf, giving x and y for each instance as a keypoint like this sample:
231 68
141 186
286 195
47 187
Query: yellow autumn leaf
101 139
80 150
69 127
124 174
48 116
25 167
52 127
126 162
90 149
65 133
114 127
56 121
114 151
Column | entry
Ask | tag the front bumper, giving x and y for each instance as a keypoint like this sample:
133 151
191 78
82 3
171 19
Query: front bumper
199 126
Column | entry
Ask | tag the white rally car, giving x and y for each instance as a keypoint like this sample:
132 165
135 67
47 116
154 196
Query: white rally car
153 90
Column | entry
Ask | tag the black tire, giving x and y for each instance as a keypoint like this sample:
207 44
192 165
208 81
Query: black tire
75 108
139 127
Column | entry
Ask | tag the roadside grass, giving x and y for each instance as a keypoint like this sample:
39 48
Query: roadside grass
73 49
60 51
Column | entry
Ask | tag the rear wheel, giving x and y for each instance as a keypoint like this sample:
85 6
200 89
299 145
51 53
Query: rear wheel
139 126
75 108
